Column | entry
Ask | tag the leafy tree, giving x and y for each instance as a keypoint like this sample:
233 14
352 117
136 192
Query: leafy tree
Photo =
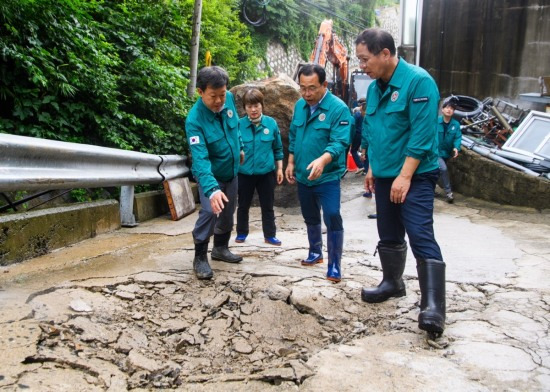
302 19
110 72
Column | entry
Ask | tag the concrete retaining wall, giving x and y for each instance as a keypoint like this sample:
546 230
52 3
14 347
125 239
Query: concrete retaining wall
473 175
149 205
35 233
32 234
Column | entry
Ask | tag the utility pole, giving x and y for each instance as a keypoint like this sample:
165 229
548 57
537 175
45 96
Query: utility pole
195 37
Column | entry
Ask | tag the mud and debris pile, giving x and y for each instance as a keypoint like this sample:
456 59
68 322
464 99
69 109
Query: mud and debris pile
505 133
163 331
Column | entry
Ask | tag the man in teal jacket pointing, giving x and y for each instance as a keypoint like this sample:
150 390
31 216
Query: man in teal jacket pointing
319 135
212 129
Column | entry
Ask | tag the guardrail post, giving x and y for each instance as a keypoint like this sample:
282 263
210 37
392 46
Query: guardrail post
127 218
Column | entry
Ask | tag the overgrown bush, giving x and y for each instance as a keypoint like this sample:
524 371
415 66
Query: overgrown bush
110 73
296 22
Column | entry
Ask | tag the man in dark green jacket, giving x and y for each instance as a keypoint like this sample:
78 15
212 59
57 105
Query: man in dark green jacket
400 133
216 148
319 135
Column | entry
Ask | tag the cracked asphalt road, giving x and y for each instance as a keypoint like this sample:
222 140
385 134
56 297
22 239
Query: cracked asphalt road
123 311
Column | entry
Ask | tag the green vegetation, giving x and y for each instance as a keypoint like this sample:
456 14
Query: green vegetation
296 22
110 72
114 72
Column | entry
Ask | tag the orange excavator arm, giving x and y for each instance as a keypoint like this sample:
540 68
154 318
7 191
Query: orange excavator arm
329 48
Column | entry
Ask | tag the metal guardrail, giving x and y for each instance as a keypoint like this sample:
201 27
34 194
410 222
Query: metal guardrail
28 163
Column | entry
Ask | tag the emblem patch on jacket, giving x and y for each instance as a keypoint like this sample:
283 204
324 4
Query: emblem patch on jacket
344 122
194 140
394 96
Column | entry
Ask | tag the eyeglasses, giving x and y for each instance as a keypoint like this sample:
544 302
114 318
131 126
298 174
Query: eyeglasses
365 61
310 89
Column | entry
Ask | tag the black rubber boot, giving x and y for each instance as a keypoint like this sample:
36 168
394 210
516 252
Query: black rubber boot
431 278
392 258
200 262
221 252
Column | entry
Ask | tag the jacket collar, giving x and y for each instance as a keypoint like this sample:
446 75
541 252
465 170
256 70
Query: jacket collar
209 114
246 121
323 104
400 73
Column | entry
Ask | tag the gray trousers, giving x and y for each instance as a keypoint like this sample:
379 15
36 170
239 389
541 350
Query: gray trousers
444 175
208 223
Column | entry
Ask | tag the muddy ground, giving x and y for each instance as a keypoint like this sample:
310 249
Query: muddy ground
123 311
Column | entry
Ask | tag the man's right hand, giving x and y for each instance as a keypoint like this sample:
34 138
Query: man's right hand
289 173
369 181
217 202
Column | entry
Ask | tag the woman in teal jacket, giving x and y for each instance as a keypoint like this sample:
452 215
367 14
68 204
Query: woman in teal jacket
450 139
262 167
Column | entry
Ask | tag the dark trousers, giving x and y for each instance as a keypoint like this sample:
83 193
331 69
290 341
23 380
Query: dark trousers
209 223
444 175
325 196
356 143
414 216
264 184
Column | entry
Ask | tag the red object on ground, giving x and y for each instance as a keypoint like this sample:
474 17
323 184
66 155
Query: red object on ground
351 166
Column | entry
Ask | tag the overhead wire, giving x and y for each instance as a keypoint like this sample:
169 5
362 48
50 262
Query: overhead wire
330 12
263 18
320 19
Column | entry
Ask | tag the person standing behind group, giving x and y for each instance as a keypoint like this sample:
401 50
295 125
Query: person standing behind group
356 140
318 138
400 133
262 167
450 139
212 129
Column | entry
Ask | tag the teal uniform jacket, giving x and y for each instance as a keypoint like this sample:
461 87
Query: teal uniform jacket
215 148
402 122
310 136
262 145
449 139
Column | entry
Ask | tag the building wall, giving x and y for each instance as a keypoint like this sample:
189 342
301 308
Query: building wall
483 48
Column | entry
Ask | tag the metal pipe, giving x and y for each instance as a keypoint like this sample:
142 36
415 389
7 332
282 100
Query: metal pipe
476 123
521 158
501 118
486 152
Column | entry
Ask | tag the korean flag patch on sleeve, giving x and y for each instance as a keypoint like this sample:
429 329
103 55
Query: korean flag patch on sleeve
194 140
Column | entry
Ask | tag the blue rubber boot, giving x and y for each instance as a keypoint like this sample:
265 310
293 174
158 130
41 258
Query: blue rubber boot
314 236
240 238
273 241
335 245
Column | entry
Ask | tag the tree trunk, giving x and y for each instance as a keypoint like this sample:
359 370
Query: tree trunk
195 38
